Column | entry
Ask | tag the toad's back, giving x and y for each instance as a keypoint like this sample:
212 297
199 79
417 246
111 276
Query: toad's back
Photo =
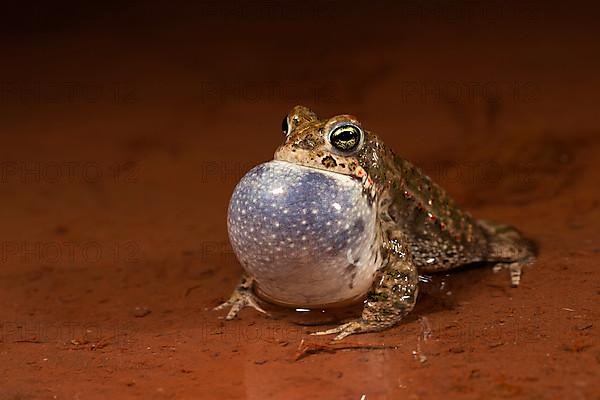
440 234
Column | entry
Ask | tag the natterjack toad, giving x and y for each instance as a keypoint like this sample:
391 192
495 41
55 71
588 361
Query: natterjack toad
337 216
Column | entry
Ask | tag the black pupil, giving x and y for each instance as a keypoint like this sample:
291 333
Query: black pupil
345 138
284 125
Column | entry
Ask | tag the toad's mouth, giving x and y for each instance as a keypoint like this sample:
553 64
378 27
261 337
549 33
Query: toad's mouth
359 176
329 163
317 160
316 168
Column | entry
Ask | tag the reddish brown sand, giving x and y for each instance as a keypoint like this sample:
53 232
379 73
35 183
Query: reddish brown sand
125 130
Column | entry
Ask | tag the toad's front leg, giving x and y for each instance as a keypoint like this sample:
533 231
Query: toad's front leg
241 297
393 295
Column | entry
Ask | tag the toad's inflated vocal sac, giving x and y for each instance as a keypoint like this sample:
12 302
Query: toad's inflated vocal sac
337 217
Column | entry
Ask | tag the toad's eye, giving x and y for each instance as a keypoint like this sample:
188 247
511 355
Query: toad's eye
285 126
346 138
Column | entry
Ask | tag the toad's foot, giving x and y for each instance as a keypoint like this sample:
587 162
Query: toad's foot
241 297
352 327
508 247
237 302
515 269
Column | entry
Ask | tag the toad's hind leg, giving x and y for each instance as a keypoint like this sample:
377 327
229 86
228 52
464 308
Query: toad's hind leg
393 295
508 248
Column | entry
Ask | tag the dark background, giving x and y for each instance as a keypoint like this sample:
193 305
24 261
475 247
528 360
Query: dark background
125 127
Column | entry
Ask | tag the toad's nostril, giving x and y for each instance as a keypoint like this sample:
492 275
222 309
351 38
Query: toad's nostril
306 144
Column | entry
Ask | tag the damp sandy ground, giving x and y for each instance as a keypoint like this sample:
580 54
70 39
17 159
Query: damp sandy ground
124 131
